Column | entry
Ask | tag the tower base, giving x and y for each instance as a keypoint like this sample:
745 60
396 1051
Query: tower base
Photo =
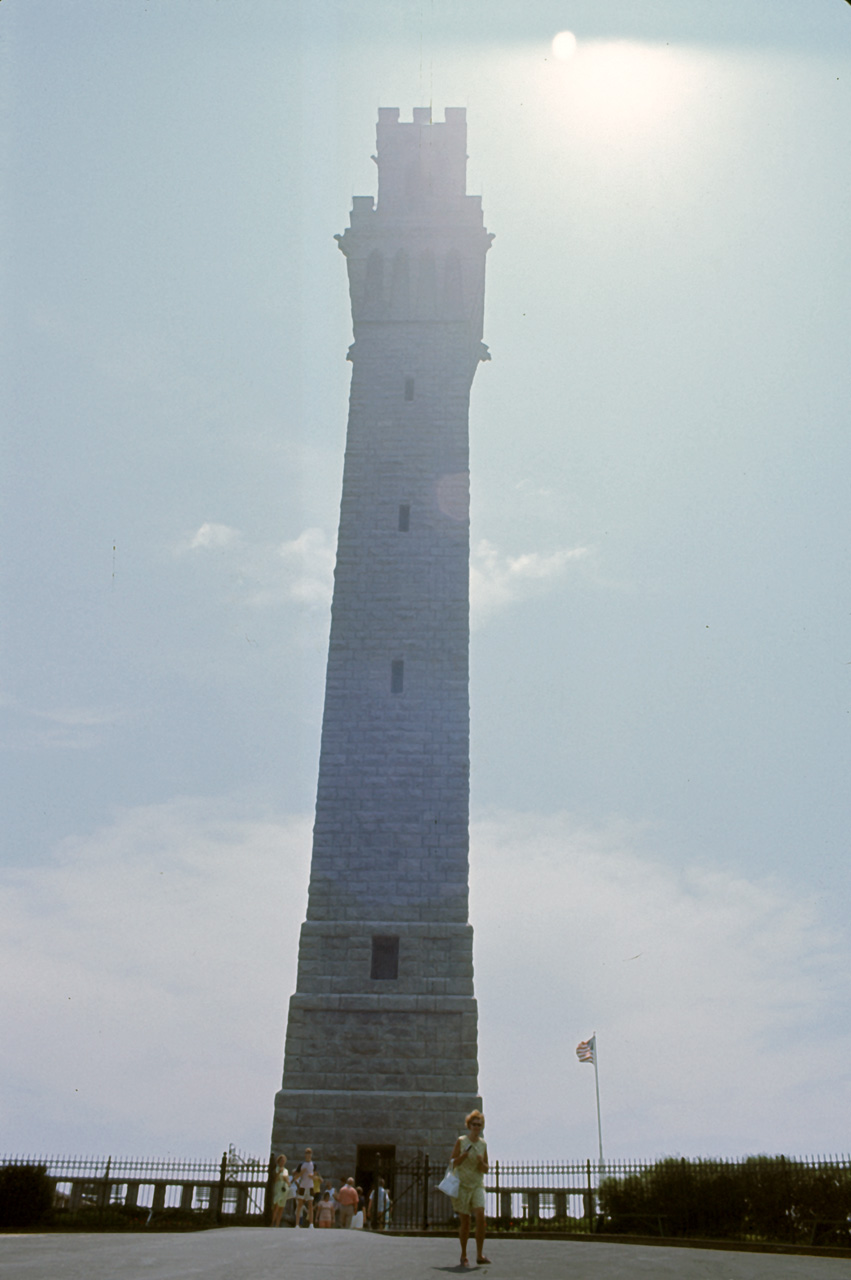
340 1125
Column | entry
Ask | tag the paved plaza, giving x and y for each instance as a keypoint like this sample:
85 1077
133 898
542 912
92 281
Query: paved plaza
252 1253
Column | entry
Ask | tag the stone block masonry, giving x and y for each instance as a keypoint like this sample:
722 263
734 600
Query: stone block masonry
381 1035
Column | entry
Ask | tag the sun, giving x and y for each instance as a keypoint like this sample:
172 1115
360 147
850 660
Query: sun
564 46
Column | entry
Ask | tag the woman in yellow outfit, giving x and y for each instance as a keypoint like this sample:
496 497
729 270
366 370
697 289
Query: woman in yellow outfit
470 1162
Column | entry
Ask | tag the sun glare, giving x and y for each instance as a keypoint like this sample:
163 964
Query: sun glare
617 86
564 45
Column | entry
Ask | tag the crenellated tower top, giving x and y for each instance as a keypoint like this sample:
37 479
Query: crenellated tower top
422 166
418 253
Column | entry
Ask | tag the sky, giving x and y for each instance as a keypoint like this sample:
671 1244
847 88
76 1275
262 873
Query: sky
660 648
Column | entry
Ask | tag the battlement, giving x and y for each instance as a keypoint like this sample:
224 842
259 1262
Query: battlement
421 163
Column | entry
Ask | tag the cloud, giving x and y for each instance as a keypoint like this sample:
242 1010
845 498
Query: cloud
715 997
301 570
264 574
212 535
309 566
146 972
498 581
74 728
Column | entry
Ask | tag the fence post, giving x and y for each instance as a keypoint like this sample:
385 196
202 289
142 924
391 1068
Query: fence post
426 1177
105 1189
210 1189
220 1189
589 1200
376 1178
270 1185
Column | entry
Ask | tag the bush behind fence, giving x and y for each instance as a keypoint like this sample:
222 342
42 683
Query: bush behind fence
759 1198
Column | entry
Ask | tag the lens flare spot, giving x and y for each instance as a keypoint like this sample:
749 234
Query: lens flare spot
564 45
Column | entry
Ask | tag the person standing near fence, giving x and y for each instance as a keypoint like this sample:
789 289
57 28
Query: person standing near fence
347 1199
305 1188
280 1190
379 1206
325 1210
470 1162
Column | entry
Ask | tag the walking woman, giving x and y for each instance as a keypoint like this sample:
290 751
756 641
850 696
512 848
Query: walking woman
470 1162
280 1190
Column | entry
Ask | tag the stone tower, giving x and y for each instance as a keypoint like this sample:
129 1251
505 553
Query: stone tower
381 1037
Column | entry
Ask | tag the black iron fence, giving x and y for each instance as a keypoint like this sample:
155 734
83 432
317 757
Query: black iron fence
758 1198
517 1196
232 1189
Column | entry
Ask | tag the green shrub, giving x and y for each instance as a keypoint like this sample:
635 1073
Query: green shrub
760 1198
113 1217
26 1195
127 1217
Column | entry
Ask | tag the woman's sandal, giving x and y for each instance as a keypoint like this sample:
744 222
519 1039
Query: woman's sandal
482 1262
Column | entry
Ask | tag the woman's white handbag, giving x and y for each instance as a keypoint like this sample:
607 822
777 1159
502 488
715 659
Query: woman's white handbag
450 1185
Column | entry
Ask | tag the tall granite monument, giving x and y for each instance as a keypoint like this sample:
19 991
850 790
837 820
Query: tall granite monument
381 1037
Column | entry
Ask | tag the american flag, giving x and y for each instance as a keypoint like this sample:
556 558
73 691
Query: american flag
585 1049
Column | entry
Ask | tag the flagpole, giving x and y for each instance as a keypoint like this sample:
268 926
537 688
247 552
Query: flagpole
597 1085
586 1051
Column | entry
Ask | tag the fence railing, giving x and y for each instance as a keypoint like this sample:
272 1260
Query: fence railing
797 1200
516 1195
232 1189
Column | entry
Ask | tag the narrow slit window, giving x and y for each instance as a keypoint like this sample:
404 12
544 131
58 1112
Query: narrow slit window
385 957
404 517
397 675
409 388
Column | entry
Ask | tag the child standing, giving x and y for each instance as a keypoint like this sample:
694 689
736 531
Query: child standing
326 1210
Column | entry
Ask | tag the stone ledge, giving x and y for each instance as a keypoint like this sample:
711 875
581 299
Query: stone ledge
414 928
379 1093
317 1002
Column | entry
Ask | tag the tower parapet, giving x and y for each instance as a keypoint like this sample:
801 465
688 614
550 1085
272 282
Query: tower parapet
418 255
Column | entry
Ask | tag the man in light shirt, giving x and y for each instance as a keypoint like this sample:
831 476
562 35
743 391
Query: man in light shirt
304 1177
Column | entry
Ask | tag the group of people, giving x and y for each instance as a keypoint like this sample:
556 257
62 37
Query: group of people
331 1206
325 1205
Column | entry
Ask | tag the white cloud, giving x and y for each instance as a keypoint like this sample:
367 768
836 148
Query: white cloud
715 999
309 564
498 581
211 535
301 570
264 574
146 972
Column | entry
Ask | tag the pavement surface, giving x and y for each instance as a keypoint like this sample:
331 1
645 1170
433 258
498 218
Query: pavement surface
252 1253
